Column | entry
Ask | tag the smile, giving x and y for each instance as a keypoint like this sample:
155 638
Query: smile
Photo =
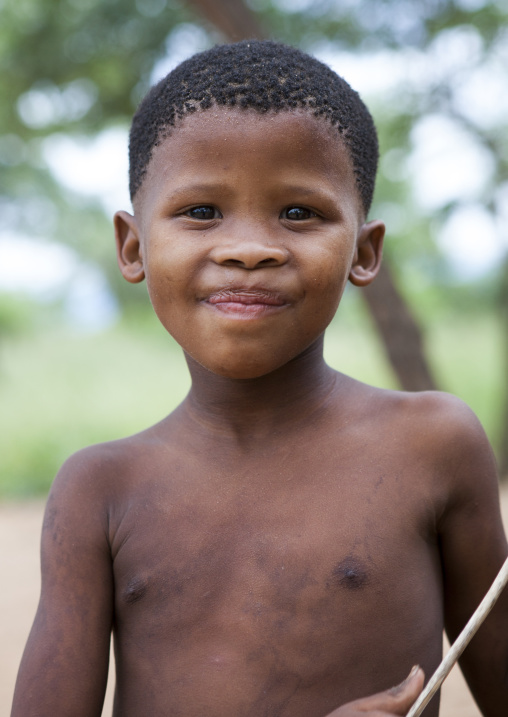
245 303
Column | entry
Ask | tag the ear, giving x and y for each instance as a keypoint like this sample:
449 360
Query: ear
369 249
128 247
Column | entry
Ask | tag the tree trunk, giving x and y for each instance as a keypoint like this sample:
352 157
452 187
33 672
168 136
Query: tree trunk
232 18
399 332
396 325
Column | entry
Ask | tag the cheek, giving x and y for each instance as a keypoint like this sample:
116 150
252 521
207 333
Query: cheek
326 282
168 266
168 285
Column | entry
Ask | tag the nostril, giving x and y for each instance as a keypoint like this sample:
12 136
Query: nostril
251 264
249 255
233 262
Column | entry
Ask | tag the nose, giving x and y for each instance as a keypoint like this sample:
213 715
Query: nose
249 254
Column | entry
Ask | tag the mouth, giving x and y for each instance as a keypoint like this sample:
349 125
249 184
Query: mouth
246 303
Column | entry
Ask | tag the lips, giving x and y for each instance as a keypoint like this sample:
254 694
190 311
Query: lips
247 297
246 303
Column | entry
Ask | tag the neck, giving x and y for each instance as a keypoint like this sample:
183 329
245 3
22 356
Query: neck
258 407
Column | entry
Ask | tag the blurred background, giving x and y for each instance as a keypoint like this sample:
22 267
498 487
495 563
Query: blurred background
82 358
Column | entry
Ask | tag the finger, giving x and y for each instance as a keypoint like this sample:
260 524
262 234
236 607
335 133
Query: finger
397 700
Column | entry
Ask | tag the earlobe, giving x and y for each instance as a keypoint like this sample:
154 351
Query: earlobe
128 247
369 249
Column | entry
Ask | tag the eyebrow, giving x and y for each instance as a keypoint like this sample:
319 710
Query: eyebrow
307 191
199 188
204 188
308 194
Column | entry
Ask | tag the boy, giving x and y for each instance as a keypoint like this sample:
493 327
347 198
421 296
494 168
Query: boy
288 540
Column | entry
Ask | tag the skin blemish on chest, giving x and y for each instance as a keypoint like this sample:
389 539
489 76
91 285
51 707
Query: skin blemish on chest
350 573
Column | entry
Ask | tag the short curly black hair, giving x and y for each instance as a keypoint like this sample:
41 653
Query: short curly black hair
264 76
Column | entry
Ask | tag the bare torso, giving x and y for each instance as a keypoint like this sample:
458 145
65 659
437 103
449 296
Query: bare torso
284 581
282 562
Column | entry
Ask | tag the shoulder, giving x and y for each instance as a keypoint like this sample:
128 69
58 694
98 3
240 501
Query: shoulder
442 433
443 423
104 465
104 471
93 479
433 415
92 468
433 428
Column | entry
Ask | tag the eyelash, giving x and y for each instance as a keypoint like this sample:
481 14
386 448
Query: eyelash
285 212
217 215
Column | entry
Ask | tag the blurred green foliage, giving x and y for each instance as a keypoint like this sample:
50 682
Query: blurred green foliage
74 67
17 314
60 392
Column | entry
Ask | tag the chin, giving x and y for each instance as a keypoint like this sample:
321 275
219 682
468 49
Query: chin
238 369
243 372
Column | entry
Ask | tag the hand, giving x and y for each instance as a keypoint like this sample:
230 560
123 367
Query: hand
393 702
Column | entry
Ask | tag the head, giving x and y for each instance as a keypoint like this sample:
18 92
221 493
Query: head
252 170
265 77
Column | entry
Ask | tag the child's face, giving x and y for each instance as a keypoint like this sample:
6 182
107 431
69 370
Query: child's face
247 228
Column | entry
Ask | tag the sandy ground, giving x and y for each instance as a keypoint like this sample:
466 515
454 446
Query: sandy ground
20 526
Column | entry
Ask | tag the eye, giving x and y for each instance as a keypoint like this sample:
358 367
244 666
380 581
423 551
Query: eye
205 212
297 214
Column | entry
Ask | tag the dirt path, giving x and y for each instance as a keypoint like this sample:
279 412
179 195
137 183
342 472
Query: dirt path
20 526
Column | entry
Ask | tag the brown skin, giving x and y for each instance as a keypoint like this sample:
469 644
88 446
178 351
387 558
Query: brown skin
288 540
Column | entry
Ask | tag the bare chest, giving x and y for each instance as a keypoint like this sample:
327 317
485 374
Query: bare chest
305 580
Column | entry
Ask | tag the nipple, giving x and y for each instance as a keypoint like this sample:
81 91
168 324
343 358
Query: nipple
350 573
135 590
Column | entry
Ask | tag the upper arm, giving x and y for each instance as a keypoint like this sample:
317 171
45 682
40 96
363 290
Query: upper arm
64 666
473 548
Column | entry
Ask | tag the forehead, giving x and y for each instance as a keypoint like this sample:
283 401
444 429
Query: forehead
270 146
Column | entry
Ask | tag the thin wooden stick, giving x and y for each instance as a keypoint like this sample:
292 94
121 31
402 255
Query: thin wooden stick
461 642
